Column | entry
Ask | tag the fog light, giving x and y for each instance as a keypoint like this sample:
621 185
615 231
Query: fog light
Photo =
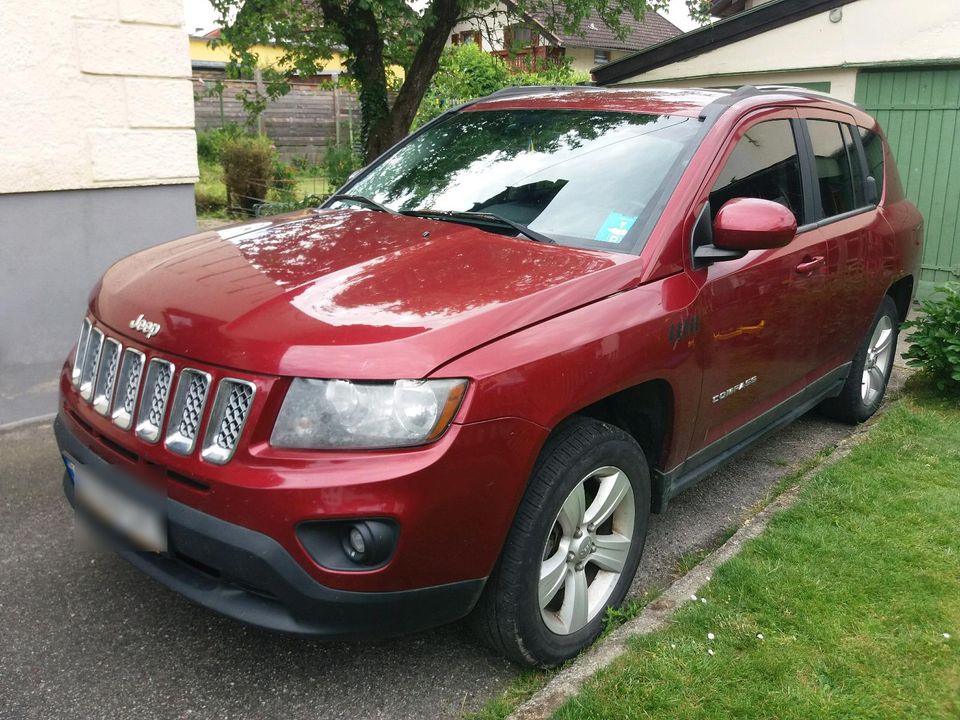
349 544
368 542
357 544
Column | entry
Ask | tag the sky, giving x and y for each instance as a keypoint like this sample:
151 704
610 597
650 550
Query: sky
201 17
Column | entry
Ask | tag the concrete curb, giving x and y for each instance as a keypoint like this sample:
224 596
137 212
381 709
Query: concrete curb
568 681
26 422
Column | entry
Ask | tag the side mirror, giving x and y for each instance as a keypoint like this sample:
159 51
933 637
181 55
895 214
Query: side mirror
753 224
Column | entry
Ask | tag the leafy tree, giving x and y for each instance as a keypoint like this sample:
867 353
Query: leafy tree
376 35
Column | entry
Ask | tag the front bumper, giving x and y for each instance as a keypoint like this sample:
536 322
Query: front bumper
248 576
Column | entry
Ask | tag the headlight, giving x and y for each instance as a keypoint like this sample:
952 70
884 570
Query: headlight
339 414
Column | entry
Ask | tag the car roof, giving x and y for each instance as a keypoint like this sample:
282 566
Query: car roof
687 102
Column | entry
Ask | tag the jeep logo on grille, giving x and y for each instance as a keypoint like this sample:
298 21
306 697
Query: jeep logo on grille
145 326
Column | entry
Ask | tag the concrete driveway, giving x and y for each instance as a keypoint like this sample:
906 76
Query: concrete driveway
84 635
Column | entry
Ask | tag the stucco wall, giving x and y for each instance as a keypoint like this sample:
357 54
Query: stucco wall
97 93
582 58
870 33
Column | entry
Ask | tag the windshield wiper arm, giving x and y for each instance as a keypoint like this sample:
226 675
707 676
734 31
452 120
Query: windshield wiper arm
363 200
472 217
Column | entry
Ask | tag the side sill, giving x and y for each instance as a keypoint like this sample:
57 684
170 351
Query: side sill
669 484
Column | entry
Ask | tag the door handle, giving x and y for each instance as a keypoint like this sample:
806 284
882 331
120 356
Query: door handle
810 264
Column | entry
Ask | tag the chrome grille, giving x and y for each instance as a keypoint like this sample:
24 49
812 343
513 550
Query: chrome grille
229 415
187 411
91 362
156 391
113 378
81 353
107 377
129 383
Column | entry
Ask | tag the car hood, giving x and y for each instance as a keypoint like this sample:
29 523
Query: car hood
346 293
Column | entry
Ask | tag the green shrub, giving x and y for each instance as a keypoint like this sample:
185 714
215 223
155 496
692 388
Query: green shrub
338 162
248 168
935 342
467 72
275 208
210 142
284 183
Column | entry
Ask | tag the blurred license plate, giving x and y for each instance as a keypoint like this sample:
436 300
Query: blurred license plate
144 526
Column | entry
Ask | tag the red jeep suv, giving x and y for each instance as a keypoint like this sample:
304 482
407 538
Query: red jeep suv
463 384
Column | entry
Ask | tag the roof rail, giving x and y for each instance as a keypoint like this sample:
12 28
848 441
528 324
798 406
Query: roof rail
721 104
808 93
528 90
713 110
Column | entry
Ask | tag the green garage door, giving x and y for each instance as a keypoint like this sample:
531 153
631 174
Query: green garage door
919 110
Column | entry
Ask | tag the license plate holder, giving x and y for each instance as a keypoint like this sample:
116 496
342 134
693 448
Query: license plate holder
142 523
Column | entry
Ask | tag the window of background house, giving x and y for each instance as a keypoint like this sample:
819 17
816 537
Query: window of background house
601 57
467 37
873 148
764 164
838 167
517 36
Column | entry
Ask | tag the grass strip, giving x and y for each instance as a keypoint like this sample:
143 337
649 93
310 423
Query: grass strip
847 607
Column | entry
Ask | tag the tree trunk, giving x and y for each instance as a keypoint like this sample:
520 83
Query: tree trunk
391 127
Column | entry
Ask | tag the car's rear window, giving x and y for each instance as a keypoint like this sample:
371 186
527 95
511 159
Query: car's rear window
582 177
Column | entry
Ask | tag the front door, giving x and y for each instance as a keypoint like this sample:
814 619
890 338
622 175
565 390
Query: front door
761 314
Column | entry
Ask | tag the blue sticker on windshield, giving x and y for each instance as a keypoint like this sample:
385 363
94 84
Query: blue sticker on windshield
615 227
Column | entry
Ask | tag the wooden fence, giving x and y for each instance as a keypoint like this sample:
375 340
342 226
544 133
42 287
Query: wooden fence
301 123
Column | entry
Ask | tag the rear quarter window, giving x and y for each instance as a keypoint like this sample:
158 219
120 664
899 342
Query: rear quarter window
873 148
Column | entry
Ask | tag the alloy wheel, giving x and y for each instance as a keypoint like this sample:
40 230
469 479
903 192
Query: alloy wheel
877 364
586 550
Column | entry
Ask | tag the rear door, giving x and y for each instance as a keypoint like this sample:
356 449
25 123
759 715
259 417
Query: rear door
849 229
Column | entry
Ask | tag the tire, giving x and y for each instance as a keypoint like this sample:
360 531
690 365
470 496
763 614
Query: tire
585 459
865 386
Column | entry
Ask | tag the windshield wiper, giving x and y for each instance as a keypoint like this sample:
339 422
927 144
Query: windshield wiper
363 200
481 218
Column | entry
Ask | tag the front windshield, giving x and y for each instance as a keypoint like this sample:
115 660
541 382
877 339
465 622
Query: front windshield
581 177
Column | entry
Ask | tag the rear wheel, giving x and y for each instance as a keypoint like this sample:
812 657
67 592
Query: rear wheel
574 547
865 387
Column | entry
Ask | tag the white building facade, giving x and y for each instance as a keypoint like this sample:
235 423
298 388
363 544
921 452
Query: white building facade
97 160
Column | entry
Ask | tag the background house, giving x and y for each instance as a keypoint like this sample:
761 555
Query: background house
900 61
98 161
211 62
521 37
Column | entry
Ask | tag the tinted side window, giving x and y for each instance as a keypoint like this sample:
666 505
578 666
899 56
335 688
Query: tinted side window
856 166
873 147
836 158
764 164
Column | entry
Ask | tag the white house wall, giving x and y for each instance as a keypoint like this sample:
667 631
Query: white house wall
870 32
97 94
97 160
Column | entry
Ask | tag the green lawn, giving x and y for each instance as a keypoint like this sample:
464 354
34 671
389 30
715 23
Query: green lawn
211 193
847 607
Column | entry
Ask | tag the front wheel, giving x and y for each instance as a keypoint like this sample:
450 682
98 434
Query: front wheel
870 372
573 549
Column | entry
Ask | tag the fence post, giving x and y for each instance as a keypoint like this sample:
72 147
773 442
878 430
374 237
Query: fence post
258 79
336 113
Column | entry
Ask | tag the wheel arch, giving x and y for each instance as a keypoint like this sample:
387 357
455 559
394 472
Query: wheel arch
902 294
645 412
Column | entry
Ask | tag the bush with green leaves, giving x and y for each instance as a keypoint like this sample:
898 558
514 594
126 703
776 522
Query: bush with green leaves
249 164
467 72
338 163
210 142
284 182
935 341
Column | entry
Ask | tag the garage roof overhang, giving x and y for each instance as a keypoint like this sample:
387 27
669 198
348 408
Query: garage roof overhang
744 25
